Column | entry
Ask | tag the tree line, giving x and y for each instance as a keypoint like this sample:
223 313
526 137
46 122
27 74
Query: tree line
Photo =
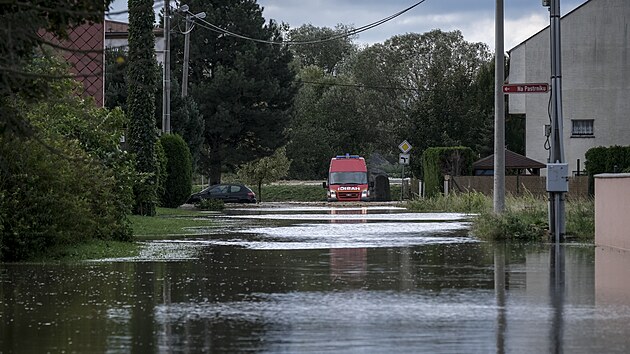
65 176
248 99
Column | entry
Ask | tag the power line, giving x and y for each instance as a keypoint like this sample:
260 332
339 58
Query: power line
346 34
359 86
393 88
158 4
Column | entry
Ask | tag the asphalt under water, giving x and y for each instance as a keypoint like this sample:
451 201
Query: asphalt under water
319 279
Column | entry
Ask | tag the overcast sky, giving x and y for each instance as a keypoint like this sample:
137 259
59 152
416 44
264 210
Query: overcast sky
474 18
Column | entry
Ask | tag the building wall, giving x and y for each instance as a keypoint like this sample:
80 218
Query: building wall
83 51
595 79
612 208
117 36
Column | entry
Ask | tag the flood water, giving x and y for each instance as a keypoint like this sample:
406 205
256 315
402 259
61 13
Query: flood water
318 279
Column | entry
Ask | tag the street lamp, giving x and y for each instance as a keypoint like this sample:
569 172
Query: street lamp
189 21
166 74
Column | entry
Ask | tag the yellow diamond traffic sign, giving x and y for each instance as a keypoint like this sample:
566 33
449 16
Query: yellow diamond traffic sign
405 146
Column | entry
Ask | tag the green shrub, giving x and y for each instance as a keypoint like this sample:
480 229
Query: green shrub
525 217
162 172
145 197
69 184
606 160
63 197
440 161
178 185
523 225
210 204
580 216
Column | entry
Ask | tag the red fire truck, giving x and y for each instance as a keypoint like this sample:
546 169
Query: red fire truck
347 179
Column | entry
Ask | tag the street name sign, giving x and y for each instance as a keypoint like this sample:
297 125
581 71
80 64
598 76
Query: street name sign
526 88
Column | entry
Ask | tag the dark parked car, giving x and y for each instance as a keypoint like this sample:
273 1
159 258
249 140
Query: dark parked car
229 193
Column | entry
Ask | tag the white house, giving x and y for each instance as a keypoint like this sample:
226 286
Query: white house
117 36
595 39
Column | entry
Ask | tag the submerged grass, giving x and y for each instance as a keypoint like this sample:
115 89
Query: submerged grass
169 222
525 217
93 249
166 222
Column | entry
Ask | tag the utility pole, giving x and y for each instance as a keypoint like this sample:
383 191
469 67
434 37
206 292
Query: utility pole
186 56
166 80
499 113
189 28
557 171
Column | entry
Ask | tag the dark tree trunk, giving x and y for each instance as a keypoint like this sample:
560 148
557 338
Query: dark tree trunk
215 172
215 160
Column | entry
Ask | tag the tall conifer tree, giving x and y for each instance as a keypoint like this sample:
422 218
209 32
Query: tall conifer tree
244 89
141 81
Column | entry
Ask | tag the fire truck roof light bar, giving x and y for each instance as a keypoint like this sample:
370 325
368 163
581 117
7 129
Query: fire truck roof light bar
347 156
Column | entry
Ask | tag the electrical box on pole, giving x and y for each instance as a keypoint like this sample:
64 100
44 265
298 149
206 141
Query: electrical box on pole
557 177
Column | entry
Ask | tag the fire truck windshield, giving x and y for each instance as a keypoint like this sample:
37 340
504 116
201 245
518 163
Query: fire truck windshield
348 178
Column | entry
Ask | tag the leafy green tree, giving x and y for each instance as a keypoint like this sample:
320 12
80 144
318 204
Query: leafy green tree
433 89
178 184
446 88
330 118
327 54
243 89
141 81
266 170
311 143
71 181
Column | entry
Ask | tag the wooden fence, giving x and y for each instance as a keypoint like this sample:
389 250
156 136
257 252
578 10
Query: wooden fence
515 185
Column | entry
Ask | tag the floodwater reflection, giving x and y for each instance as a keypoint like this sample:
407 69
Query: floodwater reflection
386 289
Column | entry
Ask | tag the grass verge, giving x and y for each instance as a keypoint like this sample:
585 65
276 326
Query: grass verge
166 222
92 249
169 222
525 217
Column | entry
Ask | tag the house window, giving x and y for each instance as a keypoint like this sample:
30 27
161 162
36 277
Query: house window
581 127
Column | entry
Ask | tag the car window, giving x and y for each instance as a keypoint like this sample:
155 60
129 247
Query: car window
219 189
235 189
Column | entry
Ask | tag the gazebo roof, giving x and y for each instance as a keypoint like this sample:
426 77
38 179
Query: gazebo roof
512 160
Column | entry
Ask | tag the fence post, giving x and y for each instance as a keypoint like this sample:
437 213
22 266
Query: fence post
446 184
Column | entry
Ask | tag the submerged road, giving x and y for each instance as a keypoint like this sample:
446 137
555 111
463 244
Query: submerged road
321 278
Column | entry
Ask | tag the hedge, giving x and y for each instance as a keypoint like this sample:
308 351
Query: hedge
606 160
440 161
178 184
